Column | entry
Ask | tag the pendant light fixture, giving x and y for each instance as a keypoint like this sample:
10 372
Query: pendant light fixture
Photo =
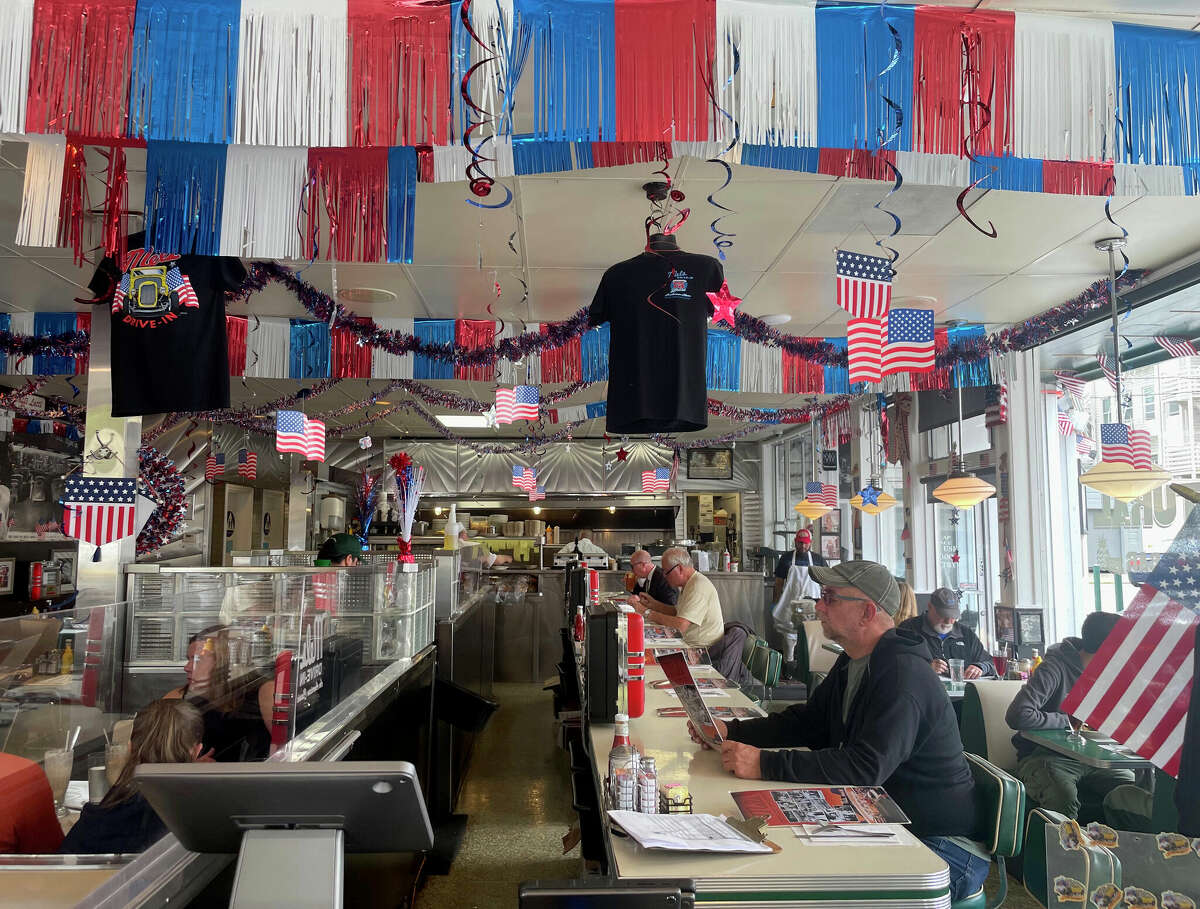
808 507
871 499
1120 481
962 489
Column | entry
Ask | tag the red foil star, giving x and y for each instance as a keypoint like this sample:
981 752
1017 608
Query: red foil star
622 455
724 302
954 558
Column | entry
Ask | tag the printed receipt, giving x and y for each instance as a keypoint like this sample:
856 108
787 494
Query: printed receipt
684 832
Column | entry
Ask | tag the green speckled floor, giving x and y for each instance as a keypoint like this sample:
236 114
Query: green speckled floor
518 800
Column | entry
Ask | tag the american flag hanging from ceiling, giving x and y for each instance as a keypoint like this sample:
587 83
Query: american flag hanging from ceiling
519 403
657 480
1121 445
996 413
864 284
1071 383
98 510
524 478
247 464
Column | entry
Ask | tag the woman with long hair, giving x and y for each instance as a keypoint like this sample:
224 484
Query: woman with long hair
236 711
164 732
908 603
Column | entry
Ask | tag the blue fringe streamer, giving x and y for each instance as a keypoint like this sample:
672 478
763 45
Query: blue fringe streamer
837 378
185 62
724 365
572 55
969 372
583 155
1018 174
401 203
782 157
1191 179
1156 69
853 47
597 409
48 324
433 331
540 156
593 348
185 192
309 350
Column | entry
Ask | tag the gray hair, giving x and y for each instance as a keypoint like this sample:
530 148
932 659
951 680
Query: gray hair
676 555
634 556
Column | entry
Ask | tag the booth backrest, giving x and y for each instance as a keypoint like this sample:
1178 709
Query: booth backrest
984 731
1001 804
820 660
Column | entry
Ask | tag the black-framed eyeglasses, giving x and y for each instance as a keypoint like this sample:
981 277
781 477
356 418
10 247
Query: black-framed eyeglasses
829 597
667 573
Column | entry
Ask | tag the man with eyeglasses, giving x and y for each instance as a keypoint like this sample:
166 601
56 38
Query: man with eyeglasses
880 718
697 613
650 588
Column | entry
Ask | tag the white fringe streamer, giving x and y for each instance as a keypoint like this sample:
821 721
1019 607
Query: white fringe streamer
20 323
292 61
263 188
42 195
933 170
1148 180
1064 74
271 340
762 369
16 39
774 97
897 381
450 162
706 150
492 21
508 373
389 366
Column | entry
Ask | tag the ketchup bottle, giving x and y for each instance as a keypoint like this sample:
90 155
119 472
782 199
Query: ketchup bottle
579 624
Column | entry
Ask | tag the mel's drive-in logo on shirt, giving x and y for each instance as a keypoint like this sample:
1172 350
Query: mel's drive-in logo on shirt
678 288
152 291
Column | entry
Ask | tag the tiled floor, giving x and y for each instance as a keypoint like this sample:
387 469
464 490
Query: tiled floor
518 798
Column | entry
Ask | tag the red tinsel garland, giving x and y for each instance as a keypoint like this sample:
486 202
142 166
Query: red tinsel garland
475 333
802 376
564 363
1077 178
352 184
617 154
83 323
73 203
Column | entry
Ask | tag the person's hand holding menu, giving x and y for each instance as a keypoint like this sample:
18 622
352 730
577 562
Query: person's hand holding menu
675 667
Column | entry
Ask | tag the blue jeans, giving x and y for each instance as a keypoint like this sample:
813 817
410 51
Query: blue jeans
967 871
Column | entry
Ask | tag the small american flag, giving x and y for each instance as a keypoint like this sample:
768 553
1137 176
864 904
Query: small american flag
657 480
1176 347
1106 367
182 287
864 348
520 403
1121 445
1066 426
864 285
248 464
1071 383
821 493
214 465
1084 446
524 478
537 493
1138 685
908 343
297 433
99 511
996 413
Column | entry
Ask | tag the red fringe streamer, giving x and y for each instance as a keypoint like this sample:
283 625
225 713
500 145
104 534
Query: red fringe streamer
662 49
940 124
79 67
935 379
351 360
235 342
114 227
562 364
801 375
616 154
399 72
475 333
424 163
73 203
353 184
1077 178
83 322
856 162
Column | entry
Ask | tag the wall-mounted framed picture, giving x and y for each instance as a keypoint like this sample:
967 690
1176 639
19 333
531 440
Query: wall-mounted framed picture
1006 624
832 522
710 464
8 569
1031 626
66 559
831 547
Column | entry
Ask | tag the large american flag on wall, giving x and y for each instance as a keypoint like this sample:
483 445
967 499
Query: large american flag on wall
1138 685
97 510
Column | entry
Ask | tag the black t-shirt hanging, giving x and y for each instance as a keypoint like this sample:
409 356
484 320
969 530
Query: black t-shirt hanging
658 345
169 348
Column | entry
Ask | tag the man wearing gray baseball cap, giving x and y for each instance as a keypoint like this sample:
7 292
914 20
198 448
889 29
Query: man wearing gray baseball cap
948 638
880 718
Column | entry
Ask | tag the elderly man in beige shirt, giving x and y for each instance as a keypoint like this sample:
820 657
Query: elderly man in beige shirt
697 614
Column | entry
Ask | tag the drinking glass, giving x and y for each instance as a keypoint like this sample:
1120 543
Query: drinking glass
57 764
1000 662
957 668
116 755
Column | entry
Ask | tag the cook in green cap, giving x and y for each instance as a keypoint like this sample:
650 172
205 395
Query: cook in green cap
341 549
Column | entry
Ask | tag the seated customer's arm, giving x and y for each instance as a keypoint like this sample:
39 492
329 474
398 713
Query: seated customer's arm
266 701
1036 704
977 655
648 602
670 620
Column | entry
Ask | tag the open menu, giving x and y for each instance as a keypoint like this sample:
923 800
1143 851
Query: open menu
719 711
659 636
684 832
696 656
683 686
821 805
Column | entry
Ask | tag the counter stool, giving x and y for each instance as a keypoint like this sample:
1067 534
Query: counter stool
1000 804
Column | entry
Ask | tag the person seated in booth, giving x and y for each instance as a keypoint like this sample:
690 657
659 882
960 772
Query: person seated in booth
880 718
948 638
28 824
342 550
1052 780
236 711
649 581
908 603
164 732
697 612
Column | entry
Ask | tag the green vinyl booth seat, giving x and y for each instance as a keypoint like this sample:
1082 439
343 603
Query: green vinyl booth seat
1000 806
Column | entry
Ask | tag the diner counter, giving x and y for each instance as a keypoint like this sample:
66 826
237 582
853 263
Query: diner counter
800 874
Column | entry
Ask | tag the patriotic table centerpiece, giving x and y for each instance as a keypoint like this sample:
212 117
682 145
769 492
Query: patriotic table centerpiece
410 479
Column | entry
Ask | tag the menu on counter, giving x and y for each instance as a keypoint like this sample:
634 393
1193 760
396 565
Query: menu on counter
684 832
701 684
697 657
683 686
821 805
719 711
659 636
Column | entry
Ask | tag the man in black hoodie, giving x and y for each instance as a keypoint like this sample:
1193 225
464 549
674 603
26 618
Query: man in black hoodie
1051 779
880 718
